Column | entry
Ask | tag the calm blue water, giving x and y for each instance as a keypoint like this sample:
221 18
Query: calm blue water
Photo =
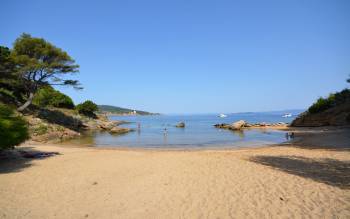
199 132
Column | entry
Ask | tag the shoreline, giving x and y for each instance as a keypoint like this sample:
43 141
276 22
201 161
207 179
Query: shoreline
154 149
304 131
301 139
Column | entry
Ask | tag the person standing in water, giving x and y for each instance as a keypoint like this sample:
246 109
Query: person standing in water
138 128
165 136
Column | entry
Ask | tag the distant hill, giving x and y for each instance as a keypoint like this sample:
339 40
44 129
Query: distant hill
122 111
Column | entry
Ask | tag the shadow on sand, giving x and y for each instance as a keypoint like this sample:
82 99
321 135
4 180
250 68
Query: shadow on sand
329 171
16 160
333 139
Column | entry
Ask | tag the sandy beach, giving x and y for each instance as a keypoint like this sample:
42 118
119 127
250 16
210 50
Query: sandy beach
309 178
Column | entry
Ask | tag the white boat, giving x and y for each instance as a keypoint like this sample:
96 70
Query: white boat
222 115
287 115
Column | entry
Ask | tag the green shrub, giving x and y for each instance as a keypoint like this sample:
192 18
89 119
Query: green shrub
332 100
87 108
13 128
47 96
6 95
321 105
41 129
342 96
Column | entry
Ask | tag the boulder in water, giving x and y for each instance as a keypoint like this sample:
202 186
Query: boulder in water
107 125
234 126
237 125
119 130
222 126
181 125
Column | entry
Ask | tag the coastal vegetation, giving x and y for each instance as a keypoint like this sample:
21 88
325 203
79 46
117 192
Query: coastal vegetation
331 110
13 128
30 106
87 108
27 73
47 96
332 100
34 63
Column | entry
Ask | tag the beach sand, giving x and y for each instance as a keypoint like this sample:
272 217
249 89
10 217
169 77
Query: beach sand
309 178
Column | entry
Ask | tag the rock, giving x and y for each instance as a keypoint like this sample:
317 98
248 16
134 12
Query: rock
119 130
92 125
34 121
242 124
69 134
47 132
180 125
234 126
120 122
102 117
237 125
107 125
248 125
222 126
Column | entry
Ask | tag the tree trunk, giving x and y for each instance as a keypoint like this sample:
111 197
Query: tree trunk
27 103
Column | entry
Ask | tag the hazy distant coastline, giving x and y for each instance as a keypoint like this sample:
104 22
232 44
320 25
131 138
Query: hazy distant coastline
110 110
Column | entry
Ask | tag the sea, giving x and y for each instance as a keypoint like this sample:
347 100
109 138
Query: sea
160 131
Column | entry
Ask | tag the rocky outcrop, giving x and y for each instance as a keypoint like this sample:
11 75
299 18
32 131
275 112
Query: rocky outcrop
264 124
106 125
336 116
112 127
222 126
56 125
180 125
42 131
119 130
60 117
239 125
234 126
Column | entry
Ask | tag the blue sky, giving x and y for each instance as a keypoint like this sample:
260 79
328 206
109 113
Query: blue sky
194 56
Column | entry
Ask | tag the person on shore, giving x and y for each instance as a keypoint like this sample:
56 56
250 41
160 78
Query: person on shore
287 136
290 135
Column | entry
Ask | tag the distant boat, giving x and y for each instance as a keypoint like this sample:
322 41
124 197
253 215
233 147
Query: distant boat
287 115
222 115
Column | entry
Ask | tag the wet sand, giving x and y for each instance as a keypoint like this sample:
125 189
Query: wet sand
308 178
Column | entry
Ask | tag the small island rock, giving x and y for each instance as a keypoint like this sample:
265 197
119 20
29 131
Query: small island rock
237 125
181 125
107 125
119 130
